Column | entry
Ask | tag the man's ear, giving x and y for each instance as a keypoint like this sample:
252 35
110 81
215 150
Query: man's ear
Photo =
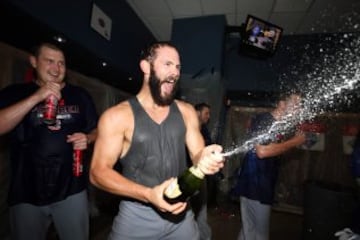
145 66
32 60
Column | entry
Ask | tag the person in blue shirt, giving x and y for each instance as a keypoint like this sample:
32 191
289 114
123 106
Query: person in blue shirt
258 175
355 168
355 160
352 232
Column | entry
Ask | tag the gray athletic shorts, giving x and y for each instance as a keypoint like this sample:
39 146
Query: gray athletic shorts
70 217
137 221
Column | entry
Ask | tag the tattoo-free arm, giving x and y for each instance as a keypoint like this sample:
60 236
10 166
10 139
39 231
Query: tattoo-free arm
13 114
276 149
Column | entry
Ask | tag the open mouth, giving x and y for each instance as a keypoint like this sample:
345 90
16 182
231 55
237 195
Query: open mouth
168 86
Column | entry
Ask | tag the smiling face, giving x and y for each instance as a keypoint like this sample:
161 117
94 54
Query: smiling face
49 64
164 75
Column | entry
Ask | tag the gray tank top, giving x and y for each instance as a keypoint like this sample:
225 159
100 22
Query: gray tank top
157 151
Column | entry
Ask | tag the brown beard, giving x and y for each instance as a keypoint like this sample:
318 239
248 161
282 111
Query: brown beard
155 90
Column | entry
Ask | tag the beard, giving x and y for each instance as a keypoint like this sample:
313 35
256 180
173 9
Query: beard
155 89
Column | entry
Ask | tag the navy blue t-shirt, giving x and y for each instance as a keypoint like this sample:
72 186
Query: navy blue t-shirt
355 158
41 159
206 134
257 178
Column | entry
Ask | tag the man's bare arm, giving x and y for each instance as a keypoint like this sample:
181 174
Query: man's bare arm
12 115
194 140
276 149
107 150
202 156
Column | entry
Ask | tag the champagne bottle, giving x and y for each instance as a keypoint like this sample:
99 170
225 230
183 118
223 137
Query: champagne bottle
185 186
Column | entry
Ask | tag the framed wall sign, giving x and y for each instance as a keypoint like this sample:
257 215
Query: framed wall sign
100 22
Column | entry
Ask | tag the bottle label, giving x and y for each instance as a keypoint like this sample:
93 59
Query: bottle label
50 110
197 172
173 190
77 163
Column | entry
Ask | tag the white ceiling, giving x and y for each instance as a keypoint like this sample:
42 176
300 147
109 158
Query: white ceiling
295 16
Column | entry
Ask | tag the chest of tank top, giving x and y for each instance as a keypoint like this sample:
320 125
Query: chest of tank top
157 151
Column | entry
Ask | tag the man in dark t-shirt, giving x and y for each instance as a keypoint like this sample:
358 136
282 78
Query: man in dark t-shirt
43 186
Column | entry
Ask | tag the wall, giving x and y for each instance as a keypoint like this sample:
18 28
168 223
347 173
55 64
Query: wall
299 61
72 19
200 41
243 73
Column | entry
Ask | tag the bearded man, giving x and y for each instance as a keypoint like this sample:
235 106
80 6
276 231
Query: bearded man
148 134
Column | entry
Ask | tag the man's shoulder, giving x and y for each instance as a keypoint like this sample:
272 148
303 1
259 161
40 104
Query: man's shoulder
184 106
187 110
120 116
17 91
121 109
75 88
19 86
77 92
181 103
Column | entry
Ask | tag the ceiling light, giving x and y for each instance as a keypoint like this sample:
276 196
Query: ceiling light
60 39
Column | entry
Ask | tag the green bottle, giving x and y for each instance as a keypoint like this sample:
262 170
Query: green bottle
185 186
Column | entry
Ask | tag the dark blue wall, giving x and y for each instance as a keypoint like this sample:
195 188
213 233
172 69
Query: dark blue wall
72 18
252 81
201 44
244 73
296 57
272 74
308 63
200 41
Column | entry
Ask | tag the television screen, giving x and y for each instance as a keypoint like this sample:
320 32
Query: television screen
260 36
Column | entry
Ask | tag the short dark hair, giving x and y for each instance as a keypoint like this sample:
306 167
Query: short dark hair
200 106
150 51
36 50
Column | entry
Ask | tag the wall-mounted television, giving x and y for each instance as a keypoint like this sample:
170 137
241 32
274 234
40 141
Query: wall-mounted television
259 37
